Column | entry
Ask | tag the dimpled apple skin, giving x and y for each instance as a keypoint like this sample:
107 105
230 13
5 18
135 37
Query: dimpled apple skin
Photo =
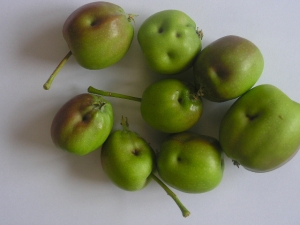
98 34
128 160
191 162
227 68
82 124
170 106
261 130
170 41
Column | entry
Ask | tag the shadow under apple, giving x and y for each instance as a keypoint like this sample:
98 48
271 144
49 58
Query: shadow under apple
44 37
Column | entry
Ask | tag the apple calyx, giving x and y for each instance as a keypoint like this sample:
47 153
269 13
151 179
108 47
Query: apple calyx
195 94
200 92
199 33
236 163
99 104
131 17
96 106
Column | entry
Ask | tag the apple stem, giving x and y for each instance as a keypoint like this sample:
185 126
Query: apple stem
48 83
183 209
112 94
125 123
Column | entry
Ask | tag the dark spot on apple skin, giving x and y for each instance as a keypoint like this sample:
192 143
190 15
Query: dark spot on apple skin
222 72
160 30
179 100
86 117
280 117
170 55
136 152
94 23
251 117
179 159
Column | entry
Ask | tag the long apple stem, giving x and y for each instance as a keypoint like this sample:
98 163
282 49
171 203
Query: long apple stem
112 94
48 83
184 210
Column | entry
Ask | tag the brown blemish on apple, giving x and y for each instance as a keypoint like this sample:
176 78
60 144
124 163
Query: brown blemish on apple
160 30
136 152
251 117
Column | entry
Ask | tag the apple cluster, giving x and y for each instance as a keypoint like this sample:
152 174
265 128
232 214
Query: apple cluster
259 131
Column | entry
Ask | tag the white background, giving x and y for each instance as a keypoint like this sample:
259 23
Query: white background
40 184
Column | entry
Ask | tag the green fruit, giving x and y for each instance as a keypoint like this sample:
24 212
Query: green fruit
170 41
191 162
82 124
129 162
127 159
170 106
227 68
98 34
261 130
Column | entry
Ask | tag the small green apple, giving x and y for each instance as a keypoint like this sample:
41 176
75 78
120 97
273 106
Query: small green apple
82 124
129 162
261 130
191 162
227 68
127 159
98 34
168 105
170 41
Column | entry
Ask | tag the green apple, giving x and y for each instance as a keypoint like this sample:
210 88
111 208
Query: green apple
167 105
98 34
261 130
170 41
170 106
82 124
191 162
227 68
129 162
127 159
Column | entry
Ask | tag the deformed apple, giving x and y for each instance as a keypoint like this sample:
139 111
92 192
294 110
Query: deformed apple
82 124
98 34
261 130
127 159
227 68
170 41
190 162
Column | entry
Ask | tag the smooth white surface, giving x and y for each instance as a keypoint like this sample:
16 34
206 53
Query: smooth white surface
41 184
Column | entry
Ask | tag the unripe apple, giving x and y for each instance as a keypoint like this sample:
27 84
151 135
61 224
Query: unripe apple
82 124
191 162
227 68
261 130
